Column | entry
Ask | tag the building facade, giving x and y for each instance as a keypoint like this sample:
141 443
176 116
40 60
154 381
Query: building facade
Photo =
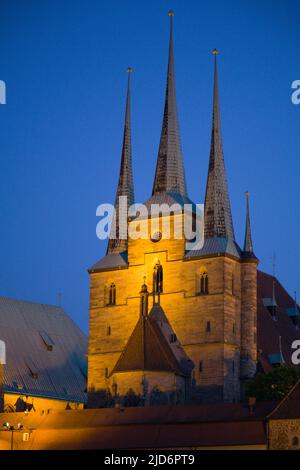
207 298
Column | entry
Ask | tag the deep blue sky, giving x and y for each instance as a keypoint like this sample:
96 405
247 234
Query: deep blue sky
64 63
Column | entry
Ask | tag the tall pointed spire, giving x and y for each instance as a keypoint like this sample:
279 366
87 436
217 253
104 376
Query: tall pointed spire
169 174
218 218
117 244
248 246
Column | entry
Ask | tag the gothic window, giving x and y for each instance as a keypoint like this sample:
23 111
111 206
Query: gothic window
295 441
106 372
232 284
208 327
233 328
173 338
200 366
204 283
158 278
115 388
112 294
108 331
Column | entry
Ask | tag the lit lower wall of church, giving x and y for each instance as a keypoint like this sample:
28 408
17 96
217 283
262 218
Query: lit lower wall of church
208 327
16 403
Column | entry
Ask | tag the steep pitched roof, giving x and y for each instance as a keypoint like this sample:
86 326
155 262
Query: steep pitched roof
147 350
289 407
248 245
158 314
117 244
110 261
45 351
215 246
169 174
273 335
217 211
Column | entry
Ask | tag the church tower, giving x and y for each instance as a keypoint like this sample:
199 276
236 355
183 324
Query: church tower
201 302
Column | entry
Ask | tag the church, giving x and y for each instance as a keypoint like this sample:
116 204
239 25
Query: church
168 324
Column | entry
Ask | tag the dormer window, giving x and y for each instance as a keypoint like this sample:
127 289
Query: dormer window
47 340
32 368
271 306
173 338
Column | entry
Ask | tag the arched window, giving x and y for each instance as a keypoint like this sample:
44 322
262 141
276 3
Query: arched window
158 278
295 441
208 327
200 366
204 283
112 294
108 331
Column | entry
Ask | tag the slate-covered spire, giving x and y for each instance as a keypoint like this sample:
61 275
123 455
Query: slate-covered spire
169 174
125 183
218 218
248 246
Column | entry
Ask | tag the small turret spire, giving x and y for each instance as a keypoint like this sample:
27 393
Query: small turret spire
248 246
169 174
218 218
119 244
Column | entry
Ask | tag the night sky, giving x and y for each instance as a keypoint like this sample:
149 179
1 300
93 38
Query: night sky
64 64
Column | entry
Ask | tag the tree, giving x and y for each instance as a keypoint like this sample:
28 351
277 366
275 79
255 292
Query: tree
274 385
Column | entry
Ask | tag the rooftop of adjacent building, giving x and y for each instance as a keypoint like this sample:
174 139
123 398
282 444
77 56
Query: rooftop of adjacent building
148 427
276 330
45 351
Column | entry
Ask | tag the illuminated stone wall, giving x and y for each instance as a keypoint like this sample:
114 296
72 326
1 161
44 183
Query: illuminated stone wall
207 326
284 434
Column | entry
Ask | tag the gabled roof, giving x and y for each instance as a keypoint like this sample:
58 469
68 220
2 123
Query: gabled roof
158 314
289 407
147 350
55 370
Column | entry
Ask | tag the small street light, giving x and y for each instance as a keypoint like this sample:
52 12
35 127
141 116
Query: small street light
7 427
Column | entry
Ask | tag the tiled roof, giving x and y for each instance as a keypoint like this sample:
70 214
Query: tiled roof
45 351
147 350
125 183
169 173
167 330
272 332
111 261
153 427
289 407
218 217
169 198
216 246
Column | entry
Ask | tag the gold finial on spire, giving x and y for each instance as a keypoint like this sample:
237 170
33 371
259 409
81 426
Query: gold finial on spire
215 51
129 70
247 194
171 13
